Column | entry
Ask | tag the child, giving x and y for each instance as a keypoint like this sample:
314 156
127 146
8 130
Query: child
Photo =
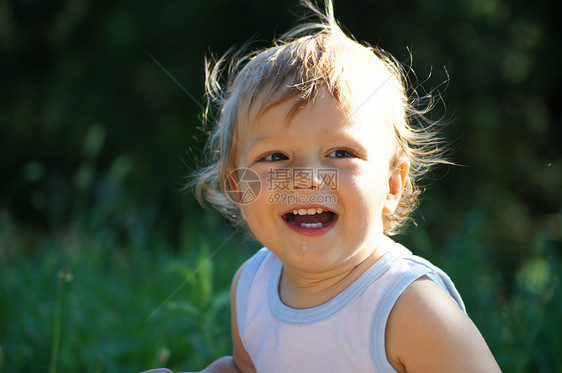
317 150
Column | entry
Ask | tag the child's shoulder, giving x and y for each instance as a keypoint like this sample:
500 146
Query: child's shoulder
427 329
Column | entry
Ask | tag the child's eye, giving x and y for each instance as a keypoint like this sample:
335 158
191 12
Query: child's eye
341 153
275 157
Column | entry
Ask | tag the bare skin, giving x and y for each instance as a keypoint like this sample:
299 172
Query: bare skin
428 332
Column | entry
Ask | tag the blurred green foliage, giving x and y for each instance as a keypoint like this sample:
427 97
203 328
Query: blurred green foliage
96 237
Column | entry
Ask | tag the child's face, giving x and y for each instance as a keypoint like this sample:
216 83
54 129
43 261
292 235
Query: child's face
320 160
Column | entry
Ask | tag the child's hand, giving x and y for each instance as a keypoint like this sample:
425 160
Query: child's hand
160 370
223 365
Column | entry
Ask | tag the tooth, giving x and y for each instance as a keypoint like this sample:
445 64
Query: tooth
311 225
319 210
302 212
295 212
311 211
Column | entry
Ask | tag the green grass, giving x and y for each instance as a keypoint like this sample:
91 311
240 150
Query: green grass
86 299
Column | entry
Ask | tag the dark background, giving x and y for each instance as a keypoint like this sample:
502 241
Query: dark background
97 141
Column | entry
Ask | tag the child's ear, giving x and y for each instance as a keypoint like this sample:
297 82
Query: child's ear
396 183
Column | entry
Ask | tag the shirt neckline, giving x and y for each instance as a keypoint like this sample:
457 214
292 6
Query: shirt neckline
324 311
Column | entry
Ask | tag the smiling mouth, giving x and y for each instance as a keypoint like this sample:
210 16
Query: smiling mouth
314 218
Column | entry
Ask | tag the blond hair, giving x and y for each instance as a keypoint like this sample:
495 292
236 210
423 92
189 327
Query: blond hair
308 58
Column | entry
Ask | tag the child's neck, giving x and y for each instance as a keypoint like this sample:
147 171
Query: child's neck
299 289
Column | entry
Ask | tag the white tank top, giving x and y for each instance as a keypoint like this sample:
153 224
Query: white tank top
346 334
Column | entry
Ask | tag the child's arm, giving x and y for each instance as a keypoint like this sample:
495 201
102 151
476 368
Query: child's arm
428 332
241 358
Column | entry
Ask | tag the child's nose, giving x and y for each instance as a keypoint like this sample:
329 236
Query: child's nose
306 178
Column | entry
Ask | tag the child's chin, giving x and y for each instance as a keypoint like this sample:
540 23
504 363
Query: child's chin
316 258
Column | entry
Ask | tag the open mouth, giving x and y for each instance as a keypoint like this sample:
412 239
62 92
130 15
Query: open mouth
311 218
